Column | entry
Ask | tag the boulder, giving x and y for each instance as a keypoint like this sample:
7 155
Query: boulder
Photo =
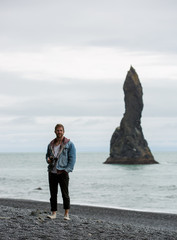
128 145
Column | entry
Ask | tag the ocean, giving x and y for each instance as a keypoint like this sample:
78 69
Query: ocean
138 187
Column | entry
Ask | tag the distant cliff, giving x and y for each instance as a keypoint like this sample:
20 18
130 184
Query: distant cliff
128 145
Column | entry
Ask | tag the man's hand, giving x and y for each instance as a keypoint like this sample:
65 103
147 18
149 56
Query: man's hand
61 171
48 160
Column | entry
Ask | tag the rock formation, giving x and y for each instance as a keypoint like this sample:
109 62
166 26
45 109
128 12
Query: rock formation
128 145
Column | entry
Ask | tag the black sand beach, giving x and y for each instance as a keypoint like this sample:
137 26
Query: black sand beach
25 219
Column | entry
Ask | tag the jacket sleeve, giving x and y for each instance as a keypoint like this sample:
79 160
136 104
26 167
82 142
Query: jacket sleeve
48 154
71 158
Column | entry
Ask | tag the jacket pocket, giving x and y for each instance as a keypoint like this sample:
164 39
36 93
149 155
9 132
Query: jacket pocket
65 151
63 160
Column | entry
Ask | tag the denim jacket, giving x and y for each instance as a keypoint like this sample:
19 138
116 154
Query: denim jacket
67 157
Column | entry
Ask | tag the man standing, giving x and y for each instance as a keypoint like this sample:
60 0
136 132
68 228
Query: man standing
61 157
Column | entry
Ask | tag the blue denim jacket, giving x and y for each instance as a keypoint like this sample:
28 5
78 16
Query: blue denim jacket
66 159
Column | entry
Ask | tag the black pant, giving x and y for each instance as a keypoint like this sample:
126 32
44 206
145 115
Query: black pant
63 180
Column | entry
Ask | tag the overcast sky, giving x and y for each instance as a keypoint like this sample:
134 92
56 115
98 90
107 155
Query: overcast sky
65 61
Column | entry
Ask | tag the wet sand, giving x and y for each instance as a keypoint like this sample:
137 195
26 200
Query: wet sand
25 219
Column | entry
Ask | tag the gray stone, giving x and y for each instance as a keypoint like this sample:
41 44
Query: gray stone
128 145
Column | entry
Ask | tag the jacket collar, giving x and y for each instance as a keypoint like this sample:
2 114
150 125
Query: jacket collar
64 142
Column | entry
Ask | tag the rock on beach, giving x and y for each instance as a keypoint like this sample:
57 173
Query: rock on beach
128 145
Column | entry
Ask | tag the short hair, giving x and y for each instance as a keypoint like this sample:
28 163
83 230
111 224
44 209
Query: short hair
59 125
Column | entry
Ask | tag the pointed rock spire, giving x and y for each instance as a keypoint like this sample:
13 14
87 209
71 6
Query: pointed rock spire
128 145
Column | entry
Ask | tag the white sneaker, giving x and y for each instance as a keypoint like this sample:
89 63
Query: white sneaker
66 217
52 216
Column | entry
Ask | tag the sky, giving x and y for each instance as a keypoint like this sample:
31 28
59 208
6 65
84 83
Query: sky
65 61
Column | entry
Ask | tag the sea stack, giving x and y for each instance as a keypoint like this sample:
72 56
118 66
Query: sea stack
128 145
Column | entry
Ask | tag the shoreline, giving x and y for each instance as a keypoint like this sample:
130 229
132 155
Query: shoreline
87 222
94 206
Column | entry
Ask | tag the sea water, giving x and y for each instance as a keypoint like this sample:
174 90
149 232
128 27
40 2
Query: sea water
141 187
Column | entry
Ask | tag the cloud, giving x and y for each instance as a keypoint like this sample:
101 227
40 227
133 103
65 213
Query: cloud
82 97
138 25
88 133
160 132
70 98
89 63
67 60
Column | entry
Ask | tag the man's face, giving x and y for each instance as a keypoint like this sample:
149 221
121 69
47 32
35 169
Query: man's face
59 132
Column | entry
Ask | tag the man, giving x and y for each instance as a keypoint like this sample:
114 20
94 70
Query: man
61 157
